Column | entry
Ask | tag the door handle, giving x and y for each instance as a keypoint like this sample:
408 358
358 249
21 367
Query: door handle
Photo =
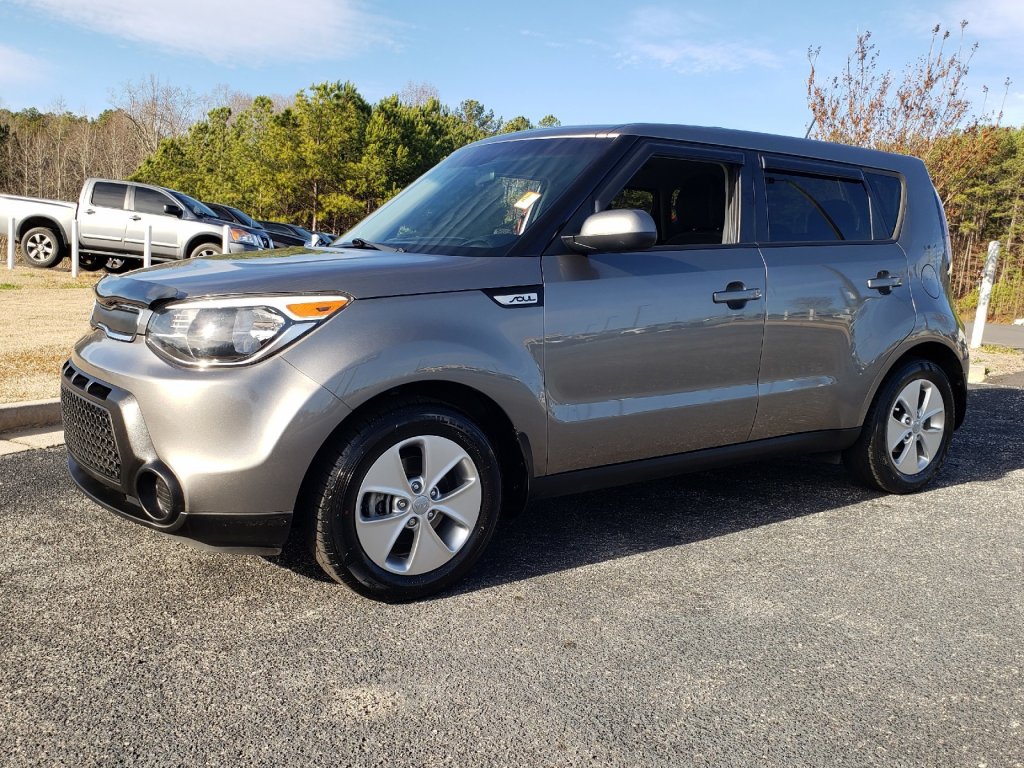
90 211
135 218
883 282
736 295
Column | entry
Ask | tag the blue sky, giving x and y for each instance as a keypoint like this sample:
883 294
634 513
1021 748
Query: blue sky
735 64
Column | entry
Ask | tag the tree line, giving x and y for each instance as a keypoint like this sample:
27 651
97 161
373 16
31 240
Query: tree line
326 157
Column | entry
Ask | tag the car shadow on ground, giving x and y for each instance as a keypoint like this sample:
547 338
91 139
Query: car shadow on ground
570 532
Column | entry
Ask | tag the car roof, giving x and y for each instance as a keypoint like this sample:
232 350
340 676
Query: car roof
730 138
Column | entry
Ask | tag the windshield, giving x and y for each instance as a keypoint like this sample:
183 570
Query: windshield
245 218
197 208
481 199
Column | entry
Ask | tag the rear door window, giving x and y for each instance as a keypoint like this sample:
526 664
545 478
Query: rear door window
107 194
810 208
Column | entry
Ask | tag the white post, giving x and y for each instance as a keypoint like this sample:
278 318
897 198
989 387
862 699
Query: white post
147 247
226 240
987 278
74 248
11 229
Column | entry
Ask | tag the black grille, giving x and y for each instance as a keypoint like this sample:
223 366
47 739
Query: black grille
89 434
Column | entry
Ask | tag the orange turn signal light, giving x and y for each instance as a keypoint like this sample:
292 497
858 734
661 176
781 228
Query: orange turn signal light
316 309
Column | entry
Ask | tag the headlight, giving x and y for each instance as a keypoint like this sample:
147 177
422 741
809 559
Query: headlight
241 236
236 331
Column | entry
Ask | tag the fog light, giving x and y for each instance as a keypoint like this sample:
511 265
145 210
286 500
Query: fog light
159 494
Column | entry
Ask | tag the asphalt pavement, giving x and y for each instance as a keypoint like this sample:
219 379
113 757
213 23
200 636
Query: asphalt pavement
769 615
1000 335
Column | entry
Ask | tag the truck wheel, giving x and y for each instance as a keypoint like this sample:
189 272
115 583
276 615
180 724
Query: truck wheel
204 249
41 248
407 503
116 265
90 262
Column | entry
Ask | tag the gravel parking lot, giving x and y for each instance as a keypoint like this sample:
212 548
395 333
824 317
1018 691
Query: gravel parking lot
772 615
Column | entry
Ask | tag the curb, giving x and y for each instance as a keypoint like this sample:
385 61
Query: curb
34 413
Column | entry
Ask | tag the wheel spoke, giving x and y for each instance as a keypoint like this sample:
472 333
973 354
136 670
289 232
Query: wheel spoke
428 551
440 456
387 475
378 535
462 506
925 396
910 397
931 441
895 432
906 451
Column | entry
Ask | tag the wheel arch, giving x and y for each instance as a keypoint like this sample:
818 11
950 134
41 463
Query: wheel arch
43 221
203 238
515 454
942 356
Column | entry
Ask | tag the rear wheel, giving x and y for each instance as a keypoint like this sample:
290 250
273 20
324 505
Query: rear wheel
408 503
116 265
42 248
907 431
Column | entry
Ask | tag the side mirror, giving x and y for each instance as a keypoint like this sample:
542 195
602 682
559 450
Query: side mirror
614 232
173 210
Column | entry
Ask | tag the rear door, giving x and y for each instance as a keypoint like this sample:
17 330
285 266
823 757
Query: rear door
148 210
103 220
838 298
656 352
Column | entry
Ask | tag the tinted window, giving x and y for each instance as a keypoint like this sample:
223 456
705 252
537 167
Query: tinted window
108 195
150 201
815 208
687 199
887 195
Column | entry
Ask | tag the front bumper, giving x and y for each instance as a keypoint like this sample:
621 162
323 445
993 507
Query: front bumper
215 457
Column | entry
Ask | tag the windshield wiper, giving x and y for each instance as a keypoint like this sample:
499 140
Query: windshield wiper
358 242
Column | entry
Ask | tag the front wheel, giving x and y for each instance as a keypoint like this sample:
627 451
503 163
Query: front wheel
42 248
408 502
205 249
907 431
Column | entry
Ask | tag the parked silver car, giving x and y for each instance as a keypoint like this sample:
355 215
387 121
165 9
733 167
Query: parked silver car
541 313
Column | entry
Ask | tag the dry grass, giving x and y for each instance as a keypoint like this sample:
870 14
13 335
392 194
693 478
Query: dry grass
44 311
999 361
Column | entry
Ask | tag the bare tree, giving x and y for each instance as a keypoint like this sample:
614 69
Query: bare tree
418 94
157 111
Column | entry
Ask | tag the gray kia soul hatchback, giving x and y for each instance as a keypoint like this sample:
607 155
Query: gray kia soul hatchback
541 313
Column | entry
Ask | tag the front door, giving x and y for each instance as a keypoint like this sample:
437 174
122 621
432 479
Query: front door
657 352
148 210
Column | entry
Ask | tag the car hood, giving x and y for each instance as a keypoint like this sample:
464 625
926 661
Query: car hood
359 273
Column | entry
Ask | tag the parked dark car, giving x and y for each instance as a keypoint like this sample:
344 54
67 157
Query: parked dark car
293 234
234 215
542 313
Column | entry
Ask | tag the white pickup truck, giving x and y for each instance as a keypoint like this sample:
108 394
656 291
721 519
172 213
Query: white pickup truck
112 219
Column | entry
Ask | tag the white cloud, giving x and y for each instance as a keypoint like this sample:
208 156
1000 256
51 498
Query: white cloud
247 31
994 19
685 42
18 68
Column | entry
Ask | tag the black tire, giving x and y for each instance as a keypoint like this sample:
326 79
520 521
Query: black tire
40 247
90 262
117 265
205 249
870 459
340 504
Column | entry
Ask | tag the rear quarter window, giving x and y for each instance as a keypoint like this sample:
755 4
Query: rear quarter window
887 198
